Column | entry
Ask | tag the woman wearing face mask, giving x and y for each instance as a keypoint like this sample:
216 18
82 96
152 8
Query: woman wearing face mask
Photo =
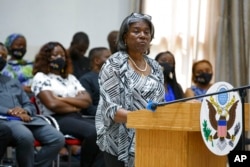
173 90
59 94
17 67
202 72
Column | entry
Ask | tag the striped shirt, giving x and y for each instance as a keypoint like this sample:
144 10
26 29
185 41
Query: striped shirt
122 87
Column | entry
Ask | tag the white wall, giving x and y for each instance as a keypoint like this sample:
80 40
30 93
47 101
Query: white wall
41 21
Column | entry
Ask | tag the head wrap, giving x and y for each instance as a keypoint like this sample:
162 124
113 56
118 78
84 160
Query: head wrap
10 39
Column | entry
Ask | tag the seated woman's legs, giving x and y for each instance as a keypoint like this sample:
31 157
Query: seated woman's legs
83 129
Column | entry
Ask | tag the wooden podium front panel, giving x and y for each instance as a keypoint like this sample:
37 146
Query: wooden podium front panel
160 148
199 155
174 149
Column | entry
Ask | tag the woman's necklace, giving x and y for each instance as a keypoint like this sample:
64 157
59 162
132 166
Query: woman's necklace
142 70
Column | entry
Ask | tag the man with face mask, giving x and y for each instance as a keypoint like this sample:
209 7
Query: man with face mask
202 72
173 89
16 66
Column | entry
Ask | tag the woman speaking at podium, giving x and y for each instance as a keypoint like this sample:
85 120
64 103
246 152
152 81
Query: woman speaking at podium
128 81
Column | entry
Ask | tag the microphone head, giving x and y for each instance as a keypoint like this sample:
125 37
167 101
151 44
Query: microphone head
151 106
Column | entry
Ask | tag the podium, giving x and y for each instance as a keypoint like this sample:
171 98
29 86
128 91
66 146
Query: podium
171 137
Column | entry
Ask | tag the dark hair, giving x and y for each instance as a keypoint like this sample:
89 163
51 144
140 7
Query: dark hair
80 37
95 52
162 53
178 92
80 41
195 64
112 41
42 59
133 18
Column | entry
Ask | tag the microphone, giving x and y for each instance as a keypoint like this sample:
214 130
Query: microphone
151 106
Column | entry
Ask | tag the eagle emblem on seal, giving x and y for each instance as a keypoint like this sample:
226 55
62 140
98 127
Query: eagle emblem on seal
225 121
221 118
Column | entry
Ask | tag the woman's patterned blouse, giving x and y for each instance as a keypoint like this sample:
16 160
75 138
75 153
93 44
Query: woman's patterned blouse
122 87
20 70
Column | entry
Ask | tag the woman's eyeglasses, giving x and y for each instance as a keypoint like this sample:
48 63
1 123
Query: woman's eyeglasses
139 15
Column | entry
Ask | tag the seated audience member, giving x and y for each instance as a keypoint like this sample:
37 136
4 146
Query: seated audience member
112 41
5 137
78 47
173 89
17 67
5 132
89 80
25 126
202 72
61 95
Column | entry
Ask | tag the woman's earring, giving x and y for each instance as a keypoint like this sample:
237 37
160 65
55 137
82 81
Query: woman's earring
171 75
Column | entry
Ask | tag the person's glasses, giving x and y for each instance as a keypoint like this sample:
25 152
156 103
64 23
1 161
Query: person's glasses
139 15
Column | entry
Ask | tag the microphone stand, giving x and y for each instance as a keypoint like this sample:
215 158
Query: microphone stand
242 93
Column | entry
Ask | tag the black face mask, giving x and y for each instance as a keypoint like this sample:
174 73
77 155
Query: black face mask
168 70
18 53
203 78
57 64
2 63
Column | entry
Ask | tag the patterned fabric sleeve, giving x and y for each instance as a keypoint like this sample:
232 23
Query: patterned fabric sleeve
109 89
40 82
77 83
20 70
